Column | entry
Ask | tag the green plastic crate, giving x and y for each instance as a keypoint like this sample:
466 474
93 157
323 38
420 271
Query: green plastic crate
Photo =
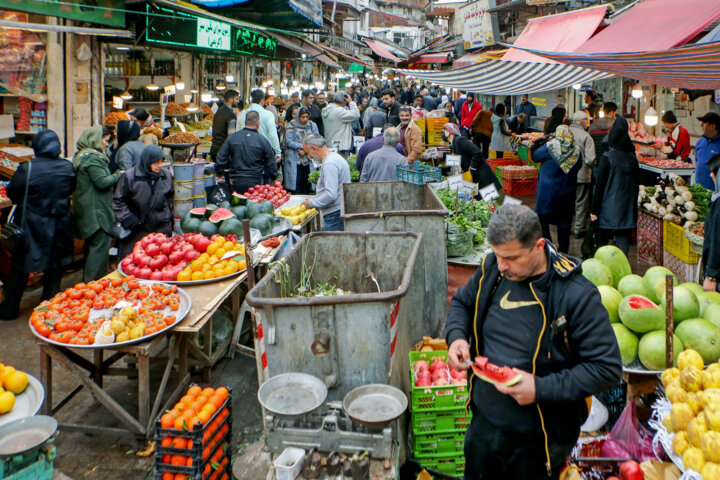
430 444
498 174
437 397
441 420
523 153
451 464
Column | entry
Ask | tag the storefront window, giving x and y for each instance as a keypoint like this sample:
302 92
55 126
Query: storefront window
22 57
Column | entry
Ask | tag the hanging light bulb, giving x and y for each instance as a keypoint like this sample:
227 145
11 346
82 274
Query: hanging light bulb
180 85
577 86
271 91
651 117
601 114
192 108
229 78
205 97
126 95
194 89
220 86
152 86
637 91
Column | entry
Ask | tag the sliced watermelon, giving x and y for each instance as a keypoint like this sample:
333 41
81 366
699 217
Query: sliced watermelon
485 370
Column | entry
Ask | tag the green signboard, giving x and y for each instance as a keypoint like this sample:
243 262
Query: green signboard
172 27
104 12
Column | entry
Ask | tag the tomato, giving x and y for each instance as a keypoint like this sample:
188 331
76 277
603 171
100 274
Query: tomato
170 319
62 326
76 325
43 329
174 306
143 293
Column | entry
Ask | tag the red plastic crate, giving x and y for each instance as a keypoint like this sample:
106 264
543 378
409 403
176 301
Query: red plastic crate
519 187
502 162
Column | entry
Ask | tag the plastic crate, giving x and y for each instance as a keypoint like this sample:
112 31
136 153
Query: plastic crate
429 445
439 397
35 466
523 172
502 162
418 174
453 464
519 187
676 243
683 271
506 155
441 420
523 153
498 174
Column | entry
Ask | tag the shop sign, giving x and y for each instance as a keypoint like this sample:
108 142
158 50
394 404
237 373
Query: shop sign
250 42
104 12
478 26
539 101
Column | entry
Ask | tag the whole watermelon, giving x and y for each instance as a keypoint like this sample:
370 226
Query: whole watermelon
263 222
611 299
597 272
651 350
685 304
702 336
628 343
655 279
616 261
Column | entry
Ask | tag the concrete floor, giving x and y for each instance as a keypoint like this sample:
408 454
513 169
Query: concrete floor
100 457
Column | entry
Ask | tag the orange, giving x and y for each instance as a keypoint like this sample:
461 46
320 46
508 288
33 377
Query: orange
209 407
176 412
208 392
189 413
184 276
179 423
229 246
212 248
168 476
179 442
217 401
166 459
180 476
213 259
167 421
187 400
209 275
197 405
206 267
167 440
196 265
228 271
202 398
241 264
189 462
178 460
195 390
204 416
222 392
198 276
220 252
193 421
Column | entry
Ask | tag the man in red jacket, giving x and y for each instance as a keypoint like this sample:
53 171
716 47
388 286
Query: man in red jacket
469 109
678 144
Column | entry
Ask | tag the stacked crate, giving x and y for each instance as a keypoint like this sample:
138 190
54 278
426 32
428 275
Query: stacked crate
678 255
650 238
439 421
519 180
434 127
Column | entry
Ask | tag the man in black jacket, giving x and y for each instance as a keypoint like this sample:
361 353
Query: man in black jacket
529 307
246 155
393 107
224 122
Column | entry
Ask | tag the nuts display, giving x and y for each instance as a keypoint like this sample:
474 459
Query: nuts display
182 139
113 117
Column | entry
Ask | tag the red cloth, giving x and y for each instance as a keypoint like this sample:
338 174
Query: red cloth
469 115
680 141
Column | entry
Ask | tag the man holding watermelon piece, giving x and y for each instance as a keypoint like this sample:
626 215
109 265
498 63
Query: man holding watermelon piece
530 309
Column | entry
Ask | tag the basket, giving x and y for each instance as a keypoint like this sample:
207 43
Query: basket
452 464
431 444
677 244
696 241
519 172
519 187
418 174
432 398
441 420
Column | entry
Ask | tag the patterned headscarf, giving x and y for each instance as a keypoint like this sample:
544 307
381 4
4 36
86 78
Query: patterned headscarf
563 149
452 129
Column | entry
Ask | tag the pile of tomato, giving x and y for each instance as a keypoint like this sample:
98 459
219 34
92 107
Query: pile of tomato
66 317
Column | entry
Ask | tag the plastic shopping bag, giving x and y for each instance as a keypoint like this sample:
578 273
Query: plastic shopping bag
629 439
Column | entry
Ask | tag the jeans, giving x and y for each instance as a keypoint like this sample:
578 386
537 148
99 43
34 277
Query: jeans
14 288
483 143
621 239
333 222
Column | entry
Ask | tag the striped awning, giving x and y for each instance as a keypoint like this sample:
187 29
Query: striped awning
500 77
694 66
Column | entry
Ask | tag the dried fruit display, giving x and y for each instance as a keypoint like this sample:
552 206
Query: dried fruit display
182 139
171 109
113 117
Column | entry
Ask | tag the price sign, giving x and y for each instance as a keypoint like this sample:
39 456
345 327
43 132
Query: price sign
336 145
508 200
182 127
188 98
377 131
214 108
118 103
358 141
170 90
452 160
431 153
455 182
489 193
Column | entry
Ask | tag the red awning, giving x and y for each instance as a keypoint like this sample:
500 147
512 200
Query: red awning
434 58
652 25
382 51
556 33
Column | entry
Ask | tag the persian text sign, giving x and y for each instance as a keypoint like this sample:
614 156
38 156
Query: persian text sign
478 26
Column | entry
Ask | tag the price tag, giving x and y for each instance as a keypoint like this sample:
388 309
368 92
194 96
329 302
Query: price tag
118 103
336 145
511 201
489 193
452 160
170 90
358 141
214 108
182 127
377 131
188 98
455 182
431 153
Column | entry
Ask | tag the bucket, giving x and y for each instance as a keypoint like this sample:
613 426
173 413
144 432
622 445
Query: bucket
198 170
198 187
183 190
182 207
183 171
209 175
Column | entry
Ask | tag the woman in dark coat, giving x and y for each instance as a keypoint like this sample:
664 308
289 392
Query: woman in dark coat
616 188
557 118
143 201
471 157
560 160
48 245
711 245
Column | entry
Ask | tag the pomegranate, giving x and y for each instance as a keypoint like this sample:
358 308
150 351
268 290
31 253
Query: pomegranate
421 365
440 381
457 374
166 248
191 255
459 381
438 365
422 382
156 276
423 374
631 470
152 249
143 273
437 374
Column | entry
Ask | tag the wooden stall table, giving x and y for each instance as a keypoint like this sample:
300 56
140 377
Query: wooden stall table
313 223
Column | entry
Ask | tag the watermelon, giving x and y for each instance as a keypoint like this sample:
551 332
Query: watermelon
706 299
485 370
225 204
628 343
640 314
694 287
208 228
597 272
192 225
253 208
651 350
240 211
685 304
712 314
221 214
655 279
231 226
198 212
611 299
238 199
267 207
263 222
614 258
633 285
702 336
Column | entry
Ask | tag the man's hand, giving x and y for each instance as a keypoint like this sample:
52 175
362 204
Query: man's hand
306 202
523 392
458 353
709 285
301 152
593 217
278 160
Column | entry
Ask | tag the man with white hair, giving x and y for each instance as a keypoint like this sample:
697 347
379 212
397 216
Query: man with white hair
580 122
381 165
338 118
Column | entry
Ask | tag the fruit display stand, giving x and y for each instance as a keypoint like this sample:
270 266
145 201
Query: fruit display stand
313 223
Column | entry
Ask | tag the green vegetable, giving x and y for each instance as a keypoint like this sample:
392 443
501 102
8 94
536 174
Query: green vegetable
314 176
702 198
354 172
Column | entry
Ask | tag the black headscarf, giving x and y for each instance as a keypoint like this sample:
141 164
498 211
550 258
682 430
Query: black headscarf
127 131
150 155
556 119
618 137
46 144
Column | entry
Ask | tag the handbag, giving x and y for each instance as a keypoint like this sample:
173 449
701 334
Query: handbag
12 235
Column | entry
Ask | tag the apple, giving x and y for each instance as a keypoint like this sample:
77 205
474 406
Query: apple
421 365
630 470
152 249
438 365
440 381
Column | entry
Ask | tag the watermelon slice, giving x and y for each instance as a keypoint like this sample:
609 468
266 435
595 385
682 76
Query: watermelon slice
485 370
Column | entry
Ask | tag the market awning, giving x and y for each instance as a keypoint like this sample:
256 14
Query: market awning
434 58
651 26
467 59
343 54
298 45
499 77
382 51
694 66
713 36
562 32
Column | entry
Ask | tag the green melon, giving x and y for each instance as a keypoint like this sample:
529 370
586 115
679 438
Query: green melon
231 226
192 225
627 342
616 261
651 350
266 206
694 287
597 272
712 314
253 208
198 212
238 199
225 204
240 211
641 315
702 336
611 299
208 228
706 299
655 279
263 222
685 304
633 285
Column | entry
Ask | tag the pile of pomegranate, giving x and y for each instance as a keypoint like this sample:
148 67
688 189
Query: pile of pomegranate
437 373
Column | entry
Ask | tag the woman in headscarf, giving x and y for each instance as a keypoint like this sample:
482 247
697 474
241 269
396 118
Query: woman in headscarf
500 139
93 218
557 118
297 165
560 160
471 157
47 226
711 244
143 201
129 146
616 188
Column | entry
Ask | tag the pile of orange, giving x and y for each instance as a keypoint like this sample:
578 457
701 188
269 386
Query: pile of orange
209 265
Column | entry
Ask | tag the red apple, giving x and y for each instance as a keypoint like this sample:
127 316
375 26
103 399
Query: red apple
440 381
630 470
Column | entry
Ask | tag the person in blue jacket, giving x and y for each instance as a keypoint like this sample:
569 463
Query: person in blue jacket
707 147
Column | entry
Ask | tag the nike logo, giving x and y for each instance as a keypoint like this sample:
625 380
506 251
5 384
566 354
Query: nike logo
506 304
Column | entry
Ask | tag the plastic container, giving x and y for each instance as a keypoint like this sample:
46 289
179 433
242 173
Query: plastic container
418 174
434 398
441 420
429 445
677 244
501 162
523 153
37 465
449 464
519 187
289 463
525 172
